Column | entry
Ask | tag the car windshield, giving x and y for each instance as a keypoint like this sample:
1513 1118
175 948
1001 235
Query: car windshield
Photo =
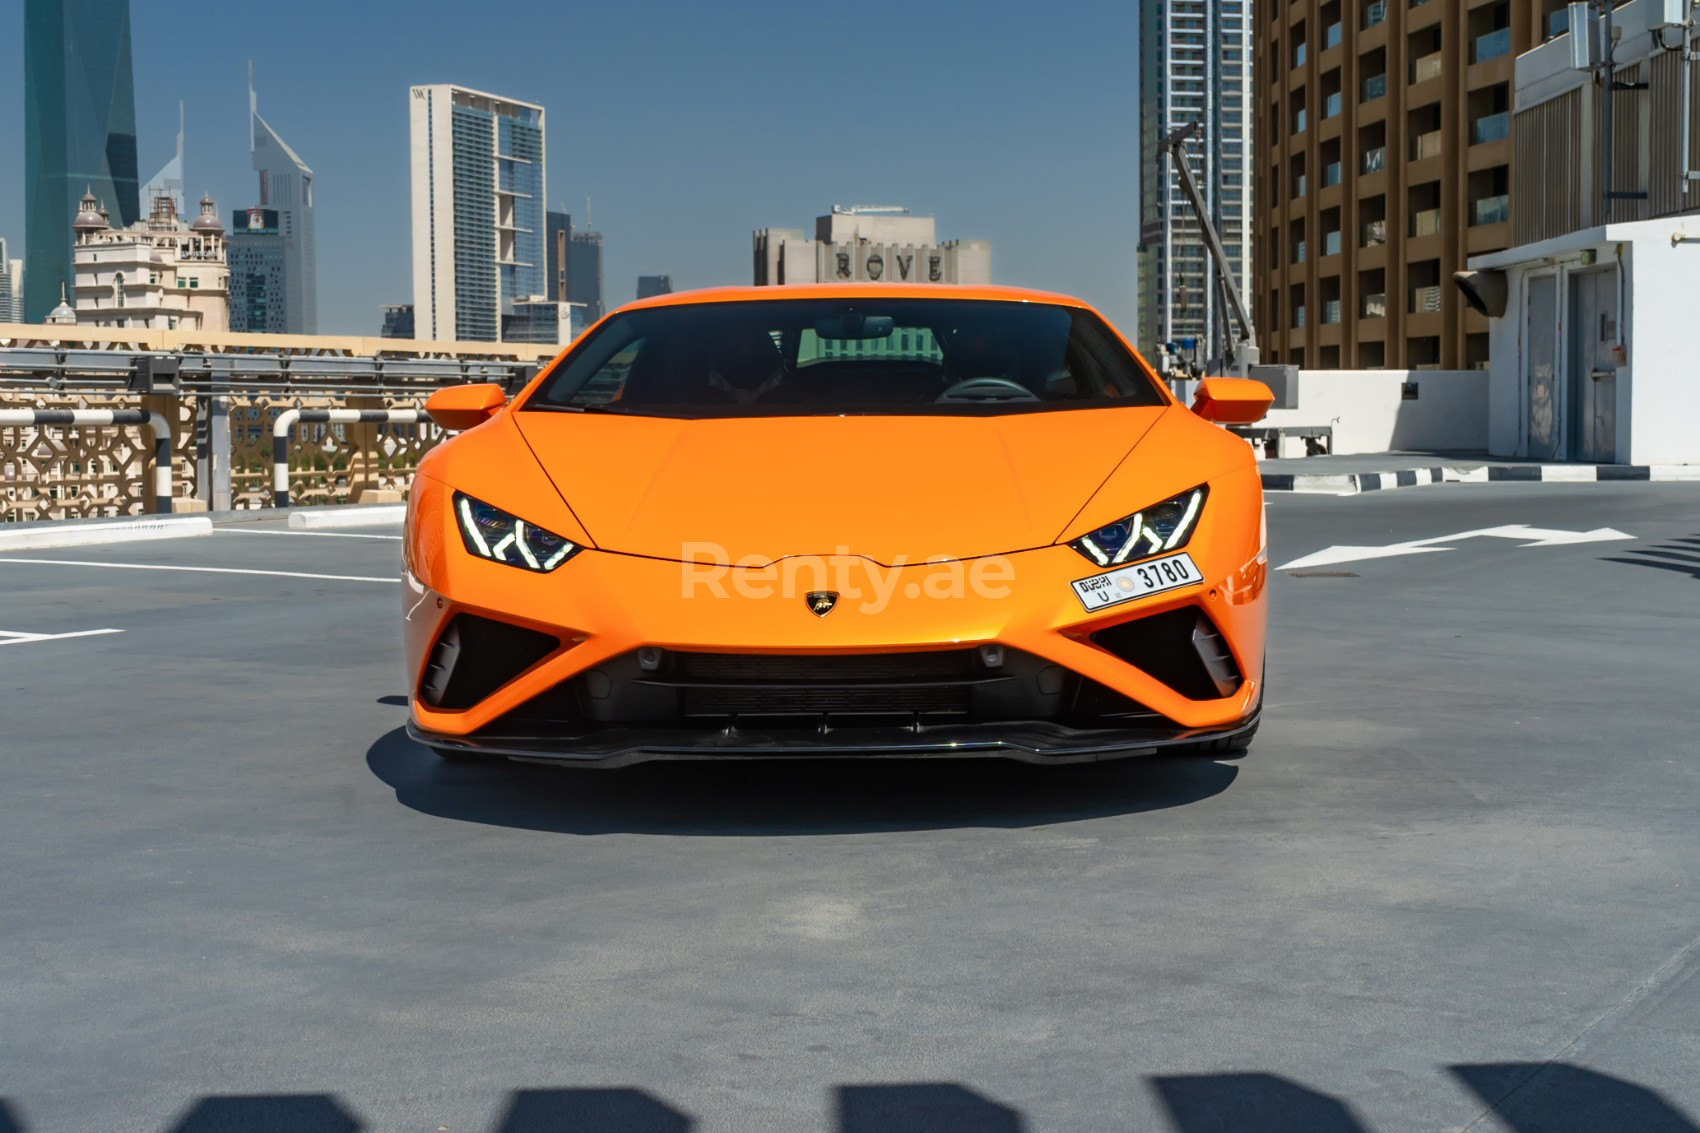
859 355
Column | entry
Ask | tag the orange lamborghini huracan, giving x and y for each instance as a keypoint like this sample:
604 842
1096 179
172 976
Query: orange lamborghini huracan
838 520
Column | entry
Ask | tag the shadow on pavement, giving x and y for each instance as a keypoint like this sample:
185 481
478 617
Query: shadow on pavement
922 1107
1680 555
618 1109
269 1113
1556 1097
1208 1103
743 797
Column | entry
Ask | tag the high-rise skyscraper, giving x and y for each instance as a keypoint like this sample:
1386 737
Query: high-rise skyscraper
168 182
79 131
11 290
286 188
584 277
649 286
478 223
259 270
1195 61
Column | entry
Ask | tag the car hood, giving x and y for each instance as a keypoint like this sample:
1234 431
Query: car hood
891 489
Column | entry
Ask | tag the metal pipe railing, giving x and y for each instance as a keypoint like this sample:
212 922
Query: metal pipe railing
287 420
156 424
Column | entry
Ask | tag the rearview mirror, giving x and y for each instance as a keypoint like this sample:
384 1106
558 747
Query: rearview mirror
459 408
1232 401
854 325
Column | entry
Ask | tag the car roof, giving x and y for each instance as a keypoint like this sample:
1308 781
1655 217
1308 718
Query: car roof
941 291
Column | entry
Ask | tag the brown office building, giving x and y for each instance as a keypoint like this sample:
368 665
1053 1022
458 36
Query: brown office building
1383 161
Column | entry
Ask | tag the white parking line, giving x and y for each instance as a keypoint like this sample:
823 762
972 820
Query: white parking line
10 637
305 534
202 570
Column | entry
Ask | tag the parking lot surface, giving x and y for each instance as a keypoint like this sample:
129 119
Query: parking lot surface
1452 886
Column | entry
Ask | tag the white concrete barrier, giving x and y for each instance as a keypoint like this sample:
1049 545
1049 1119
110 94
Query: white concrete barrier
349 516
1370 412
63 533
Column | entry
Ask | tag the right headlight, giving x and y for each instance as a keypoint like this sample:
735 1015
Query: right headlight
491 533
1161 527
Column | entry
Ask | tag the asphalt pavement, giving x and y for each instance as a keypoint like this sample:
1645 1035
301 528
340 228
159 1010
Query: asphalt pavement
1453 885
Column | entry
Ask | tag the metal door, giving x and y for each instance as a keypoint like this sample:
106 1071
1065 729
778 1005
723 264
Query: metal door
1592 370
1540 352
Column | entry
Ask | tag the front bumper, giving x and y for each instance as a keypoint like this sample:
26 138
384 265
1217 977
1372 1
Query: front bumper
601 610
1035 741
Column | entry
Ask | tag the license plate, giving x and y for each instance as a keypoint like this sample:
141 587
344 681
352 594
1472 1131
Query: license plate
1129 582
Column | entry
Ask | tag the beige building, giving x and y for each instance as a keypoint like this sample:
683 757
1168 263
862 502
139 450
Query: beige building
1383 162
868 244
162 273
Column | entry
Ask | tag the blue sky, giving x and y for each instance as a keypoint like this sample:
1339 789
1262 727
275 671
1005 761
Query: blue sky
688 125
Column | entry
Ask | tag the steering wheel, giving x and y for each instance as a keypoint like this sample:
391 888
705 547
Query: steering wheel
985 390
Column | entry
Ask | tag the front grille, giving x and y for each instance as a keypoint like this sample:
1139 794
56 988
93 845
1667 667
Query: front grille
858 684
732 693
794 668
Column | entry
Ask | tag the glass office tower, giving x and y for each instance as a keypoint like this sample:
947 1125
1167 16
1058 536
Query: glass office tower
478 223
286 190
79 132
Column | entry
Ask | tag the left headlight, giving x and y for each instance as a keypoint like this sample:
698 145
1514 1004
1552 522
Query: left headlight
1162 527
491 533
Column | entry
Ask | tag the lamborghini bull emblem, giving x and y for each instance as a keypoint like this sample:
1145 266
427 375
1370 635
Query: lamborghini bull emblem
821 602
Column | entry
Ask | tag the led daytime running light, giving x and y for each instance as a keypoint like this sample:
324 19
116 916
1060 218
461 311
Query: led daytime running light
491 533
1151 531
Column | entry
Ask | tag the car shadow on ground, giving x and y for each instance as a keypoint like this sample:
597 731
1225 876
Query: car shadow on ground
751 797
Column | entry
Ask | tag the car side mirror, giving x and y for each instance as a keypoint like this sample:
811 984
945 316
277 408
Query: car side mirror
459 408
1232 401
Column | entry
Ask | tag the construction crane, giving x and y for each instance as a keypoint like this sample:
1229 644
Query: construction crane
1239 347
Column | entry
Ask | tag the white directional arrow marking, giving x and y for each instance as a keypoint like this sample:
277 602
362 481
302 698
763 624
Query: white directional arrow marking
1525 535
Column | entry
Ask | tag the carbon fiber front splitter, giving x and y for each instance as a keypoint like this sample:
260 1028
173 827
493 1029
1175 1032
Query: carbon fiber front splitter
1035 741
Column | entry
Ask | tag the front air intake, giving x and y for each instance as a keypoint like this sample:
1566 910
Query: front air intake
475 656
1182 648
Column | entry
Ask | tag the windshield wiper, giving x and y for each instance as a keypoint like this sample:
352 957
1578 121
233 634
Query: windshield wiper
569 408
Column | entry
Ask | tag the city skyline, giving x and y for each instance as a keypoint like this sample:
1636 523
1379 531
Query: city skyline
1023 163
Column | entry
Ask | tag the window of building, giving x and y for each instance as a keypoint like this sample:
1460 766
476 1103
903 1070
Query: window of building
1490 196
1372 213
1374 70
1490 32
1422 283
1372 147
1423 207
1331 232
1422 126
1423 50
1372 293
1490 114
1375 12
